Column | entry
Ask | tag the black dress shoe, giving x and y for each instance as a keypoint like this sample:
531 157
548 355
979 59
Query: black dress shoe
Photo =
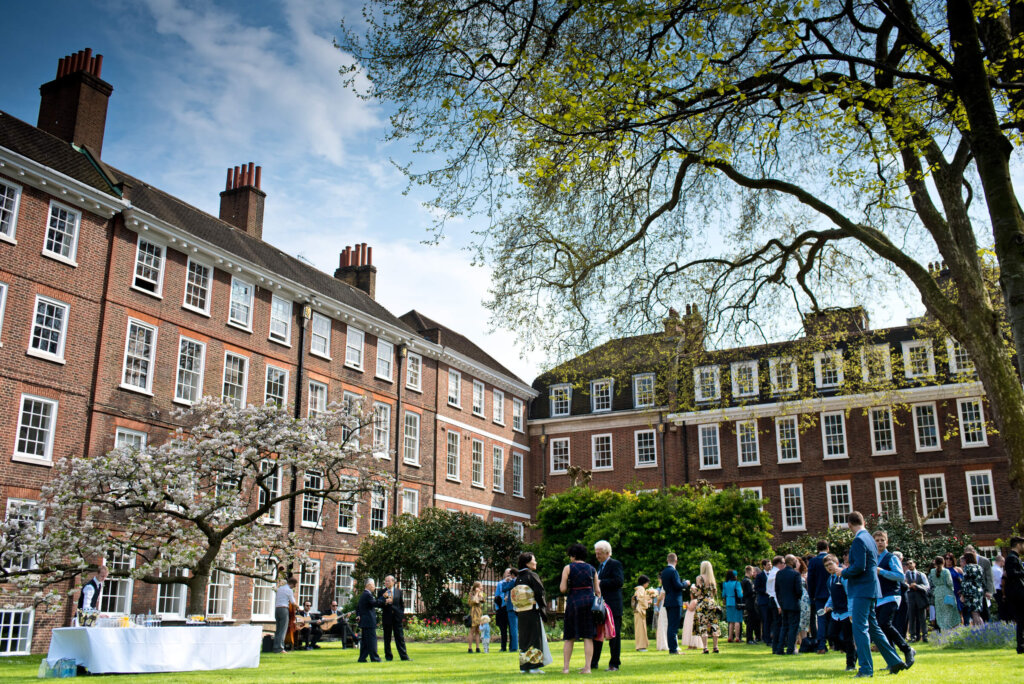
910 657
897 668
862 674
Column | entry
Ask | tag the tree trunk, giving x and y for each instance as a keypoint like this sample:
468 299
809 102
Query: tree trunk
197 586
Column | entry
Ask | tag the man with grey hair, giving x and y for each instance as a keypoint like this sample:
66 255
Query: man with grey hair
366 609
393 611
609 573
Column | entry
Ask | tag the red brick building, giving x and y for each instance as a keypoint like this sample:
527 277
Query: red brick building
119 303
786 420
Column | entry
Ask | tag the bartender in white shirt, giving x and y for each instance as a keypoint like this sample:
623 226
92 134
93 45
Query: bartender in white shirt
284 597
89 599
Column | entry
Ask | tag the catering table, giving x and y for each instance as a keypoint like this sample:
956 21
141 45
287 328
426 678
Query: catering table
158 649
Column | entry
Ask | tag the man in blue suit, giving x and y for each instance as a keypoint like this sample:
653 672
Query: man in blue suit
610 575
764 607
817 590
366 609
787 593
673 601
864 590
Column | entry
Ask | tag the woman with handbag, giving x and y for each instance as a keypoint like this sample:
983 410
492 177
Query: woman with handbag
947 615
582 591
527 598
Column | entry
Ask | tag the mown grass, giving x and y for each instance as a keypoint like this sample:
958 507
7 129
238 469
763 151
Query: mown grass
451 664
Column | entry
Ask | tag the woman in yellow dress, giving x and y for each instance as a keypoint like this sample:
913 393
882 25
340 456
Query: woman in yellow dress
476 612
642 596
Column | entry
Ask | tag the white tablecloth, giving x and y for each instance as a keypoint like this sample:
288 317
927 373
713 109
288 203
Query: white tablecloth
158 649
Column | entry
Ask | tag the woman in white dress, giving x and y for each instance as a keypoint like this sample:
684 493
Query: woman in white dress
661 635
690 640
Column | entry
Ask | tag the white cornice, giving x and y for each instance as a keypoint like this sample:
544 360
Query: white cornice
836 403
63 187
596 421
482 507
482 372
483 433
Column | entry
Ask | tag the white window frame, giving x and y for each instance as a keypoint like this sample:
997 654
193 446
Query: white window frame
498 468
824 436
520 529
57 357
266 381
150 361
908 347
636 448
924 504
411 443
382 430
744 426
734 369
476 459
70 258
128 582
123 435
778 438
51 429
594 451
259 586
158 285
316 398
878 494
838 519
7 626
518 474
836 356
875 451
207 288
601 386
981 416
245 325
991 493
954 367
37 514
341 594
786 527
412 495
561 441
518 413
320 340
309 570
273 336
558 394
352 501
10 235
385 357
355 345
758 492
698 386
454 388
637 392
381 495
917 427
273 516
416 360
498 407
886 356
3 305
479 394
180 594
776 367
453 457
199 372
245 377
229 586
313 500
705 464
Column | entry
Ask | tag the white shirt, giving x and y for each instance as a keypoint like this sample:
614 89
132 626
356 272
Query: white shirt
997 577
284 596
769 585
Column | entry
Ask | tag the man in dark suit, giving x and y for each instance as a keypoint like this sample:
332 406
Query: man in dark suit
817 590
366 609
673 605
787 593
609 573
752 617
1013 587
764 607
917 602
393 610
863 590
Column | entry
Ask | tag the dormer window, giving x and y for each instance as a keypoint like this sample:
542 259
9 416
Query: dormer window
828 369
918 360
782 373
561 400
643 390
744 379
959 360
706 385
601 395
875 363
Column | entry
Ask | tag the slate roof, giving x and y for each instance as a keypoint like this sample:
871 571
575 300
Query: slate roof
447 337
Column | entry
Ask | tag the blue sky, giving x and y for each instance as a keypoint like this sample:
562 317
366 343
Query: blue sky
200 86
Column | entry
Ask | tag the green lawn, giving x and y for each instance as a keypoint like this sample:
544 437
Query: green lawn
450 663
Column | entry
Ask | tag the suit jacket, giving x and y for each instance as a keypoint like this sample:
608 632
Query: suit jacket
761 587
748 593
817 578
862 572
918 597
1013 579
611 579
673 587
788 589
986 573
396 611
366 609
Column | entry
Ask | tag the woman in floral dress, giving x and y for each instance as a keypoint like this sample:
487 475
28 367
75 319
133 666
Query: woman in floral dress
946 614
972 589
705 591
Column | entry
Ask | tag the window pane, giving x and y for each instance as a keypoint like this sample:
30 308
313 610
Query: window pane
149 261
197 286
139 355
48 326
60 233
189 385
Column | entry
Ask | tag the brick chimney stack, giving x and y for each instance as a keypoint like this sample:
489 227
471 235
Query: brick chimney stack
73 106
241 203
356 268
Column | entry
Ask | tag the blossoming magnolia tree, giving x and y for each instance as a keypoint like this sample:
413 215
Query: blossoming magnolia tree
210 498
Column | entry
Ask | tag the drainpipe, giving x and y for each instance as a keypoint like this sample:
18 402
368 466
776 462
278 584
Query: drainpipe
664 455
399 426
307 313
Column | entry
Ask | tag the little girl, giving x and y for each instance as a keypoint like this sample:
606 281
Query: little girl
485 632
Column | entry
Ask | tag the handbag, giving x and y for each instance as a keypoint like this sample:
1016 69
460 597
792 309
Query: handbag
468 621
597 608
949 600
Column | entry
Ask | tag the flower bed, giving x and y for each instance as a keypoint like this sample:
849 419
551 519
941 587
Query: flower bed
989 635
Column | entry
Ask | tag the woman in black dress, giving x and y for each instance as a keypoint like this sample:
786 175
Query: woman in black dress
578 582
528 600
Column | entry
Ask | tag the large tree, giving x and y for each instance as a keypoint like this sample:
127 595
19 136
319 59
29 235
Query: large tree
209 498
755 153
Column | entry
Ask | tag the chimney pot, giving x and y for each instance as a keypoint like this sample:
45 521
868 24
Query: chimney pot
369 256
227 184
259 170
99 66
242 202
251 175
73 106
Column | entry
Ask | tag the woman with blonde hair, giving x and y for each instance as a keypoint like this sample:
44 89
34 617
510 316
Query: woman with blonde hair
476 612
705 591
